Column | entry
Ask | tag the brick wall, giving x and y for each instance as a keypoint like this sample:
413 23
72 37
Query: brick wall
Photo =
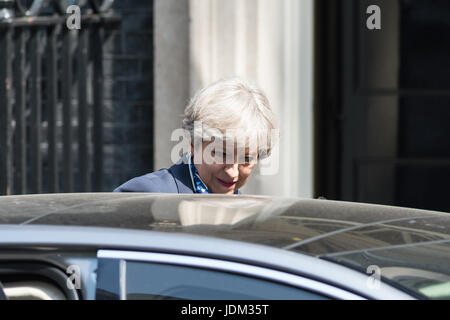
128 70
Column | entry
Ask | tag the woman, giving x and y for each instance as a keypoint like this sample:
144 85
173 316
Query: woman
230 126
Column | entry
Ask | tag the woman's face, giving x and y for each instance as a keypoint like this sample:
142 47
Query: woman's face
220 175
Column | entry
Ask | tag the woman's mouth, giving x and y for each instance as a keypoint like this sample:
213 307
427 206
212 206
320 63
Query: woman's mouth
226 184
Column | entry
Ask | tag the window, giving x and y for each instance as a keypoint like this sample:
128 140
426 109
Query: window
138 275
159 281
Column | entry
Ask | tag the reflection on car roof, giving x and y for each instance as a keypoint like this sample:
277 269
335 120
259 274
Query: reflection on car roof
315 227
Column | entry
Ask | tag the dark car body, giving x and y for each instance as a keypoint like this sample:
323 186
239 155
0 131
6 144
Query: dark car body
159 246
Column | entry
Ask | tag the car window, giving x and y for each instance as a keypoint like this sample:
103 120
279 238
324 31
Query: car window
161 281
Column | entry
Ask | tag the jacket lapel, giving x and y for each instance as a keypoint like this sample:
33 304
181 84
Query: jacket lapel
180 173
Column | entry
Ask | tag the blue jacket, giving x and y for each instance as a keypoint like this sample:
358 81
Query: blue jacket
176 179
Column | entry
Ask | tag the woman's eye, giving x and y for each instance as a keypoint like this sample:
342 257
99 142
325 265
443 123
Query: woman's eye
219 154
246 160
249 159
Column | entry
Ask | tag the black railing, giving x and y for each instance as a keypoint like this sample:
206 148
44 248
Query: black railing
47 72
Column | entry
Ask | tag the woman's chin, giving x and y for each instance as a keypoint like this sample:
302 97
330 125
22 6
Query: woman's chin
222 190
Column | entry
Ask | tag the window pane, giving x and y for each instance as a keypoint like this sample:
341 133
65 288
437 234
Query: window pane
158 281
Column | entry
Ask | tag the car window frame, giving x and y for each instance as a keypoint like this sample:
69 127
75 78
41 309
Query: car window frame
215 264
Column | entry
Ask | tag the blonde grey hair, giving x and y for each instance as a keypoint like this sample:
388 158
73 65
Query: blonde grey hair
232 105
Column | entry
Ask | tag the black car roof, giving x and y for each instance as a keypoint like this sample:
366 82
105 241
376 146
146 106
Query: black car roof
315 227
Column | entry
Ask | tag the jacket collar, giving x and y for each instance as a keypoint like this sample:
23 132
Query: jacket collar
180 172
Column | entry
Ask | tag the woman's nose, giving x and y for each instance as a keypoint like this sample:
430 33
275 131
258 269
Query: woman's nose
232 170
